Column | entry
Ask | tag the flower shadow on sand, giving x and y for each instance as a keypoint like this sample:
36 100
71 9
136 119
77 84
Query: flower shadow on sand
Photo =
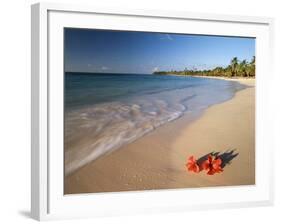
226 157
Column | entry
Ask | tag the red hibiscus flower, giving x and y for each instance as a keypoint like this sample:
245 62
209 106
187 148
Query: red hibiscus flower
192 165
212 165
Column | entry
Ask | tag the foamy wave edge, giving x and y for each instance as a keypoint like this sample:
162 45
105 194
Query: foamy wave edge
110 143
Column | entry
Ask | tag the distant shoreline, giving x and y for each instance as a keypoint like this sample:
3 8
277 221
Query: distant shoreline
218 77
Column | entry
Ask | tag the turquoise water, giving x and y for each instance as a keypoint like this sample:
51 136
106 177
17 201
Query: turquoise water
105 111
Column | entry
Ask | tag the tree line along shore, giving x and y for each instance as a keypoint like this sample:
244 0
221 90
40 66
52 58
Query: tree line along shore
236 68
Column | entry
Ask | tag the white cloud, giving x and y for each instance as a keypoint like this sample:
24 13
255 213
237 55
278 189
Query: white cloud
155 69
166 37
104 68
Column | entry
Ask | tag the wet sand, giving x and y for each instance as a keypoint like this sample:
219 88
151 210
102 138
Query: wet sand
157 160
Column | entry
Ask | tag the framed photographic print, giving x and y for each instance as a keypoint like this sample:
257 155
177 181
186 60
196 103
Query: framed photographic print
148 111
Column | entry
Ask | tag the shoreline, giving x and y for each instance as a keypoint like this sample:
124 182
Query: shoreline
235 78
136 167
89 137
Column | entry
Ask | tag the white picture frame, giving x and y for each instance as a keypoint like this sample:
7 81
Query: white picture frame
48 201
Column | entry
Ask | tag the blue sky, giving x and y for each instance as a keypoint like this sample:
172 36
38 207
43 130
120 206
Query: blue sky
88 50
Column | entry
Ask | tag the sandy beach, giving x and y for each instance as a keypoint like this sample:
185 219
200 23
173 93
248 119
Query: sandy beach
157 160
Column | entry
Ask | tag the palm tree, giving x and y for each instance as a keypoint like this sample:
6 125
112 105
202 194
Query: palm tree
218 71
252 66
234 65
253 62
242 68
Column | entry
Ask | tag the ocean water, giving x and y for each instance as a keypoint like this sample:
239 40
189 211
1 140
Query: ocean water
105 111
